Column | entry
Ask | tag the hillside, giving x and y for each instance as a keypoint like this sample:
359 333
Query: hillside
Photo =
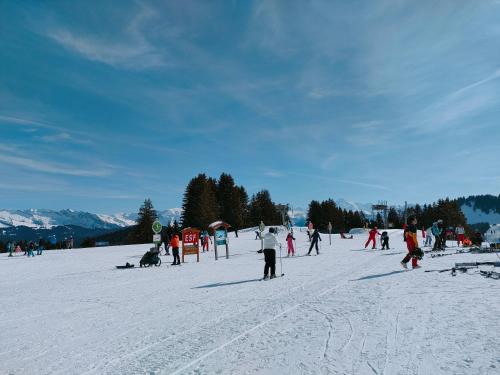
346 311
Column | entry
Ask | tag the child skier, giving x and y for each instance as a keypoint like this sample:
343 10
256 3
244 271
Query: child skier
384 238
372 237
314 242
289 241
205 241
270 244
460 233
411 244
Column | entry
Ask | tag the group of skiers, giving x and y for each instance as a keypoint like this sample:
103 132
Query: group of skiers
372 238
28 249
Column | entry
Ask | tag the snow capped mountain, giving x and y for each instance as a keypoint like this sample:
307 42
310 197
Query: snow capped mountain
476 215
299 215
366 208
42 218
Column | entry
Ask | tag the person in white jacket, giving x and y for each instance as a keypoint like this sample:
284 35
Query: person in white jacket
270 245
428 237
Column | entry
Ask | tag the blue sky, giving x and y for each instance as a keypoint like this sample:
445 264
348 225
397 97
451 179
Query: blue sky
105 103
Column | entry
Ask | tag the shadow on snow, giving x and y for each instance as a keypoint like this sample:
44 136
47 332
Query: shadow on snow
225 284
379 275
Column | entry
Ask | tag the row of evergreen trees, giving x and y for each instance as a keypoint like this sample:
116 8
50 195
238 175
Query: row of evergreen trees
321 213
207 200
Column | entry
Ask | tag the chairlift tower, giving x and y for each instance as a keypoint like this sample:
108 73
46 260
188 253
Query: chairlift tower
382 209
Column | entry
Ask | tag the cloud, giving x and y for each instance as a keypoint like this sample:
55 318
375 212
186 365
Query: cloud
41 166
130 49
64 137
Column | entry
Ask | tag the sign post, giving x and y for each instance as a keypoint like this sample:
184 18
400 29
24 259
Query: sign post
330 232
190 240
262 227
157 227
221 239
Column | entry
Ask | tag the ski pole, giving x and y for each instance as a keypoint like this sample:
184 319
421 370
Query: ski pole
281 263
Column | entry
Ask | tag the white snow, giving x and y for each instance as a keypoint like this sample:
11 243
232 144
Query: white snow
347 311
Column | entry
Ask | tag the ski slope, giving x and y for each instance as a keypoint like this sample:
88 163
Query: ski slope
347 311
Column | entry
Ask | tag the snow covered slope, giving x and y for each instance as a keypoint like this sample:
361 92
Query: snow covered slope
346 311
478 216
42 218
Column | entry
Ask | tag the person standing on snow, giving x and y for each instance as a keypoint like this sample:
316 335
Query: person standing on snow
10 248
30 248
385 240
314 242
205 241
372 237
411 244
436 232
428 236
174 242
460 233
270 244
289 241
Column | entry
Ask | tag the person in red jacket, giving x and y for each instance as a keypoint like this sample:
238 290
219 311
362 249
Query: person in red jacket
174 242
411 243
372 237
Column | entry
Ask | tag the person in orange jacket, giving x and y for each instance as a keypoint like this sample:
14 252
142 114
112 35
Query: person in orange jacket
372 237
174 242
411 243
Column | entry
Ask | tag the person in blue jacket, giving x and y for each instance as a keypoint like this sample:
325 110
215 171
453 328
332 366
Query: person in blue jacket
436 232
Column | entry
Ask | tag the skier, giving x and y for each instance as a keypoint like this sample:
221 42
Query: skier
385 240
166 244
436 232
18 248
372 237
174 242
411 243
428 237
460 233
444 237
314 242
31 247
289 241
205 240
270 244
39 249
10 248
477 239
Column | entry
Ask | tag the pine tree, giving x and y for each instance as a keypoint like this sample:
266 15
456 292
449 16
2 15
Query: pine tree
200 206
143 231
262 208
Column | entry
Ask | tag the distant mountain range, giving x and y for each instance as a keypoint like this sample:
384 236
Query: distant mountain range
47 219
37 223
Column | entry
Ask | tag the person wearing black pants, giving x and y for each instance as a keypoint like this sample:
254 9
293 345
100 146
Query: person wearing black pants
314 242
270 244
174 243
385 241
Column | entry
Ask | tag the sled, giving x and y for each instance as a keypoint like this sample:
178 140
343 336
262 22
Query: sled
128 265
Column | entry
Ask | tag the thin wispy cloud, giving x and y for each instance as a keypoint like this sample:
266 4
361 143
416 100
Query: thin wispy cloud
56 168
129 49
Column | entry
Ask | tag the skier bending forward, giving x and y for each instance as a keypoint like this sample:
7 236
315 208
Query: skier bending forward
411 243
270 244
